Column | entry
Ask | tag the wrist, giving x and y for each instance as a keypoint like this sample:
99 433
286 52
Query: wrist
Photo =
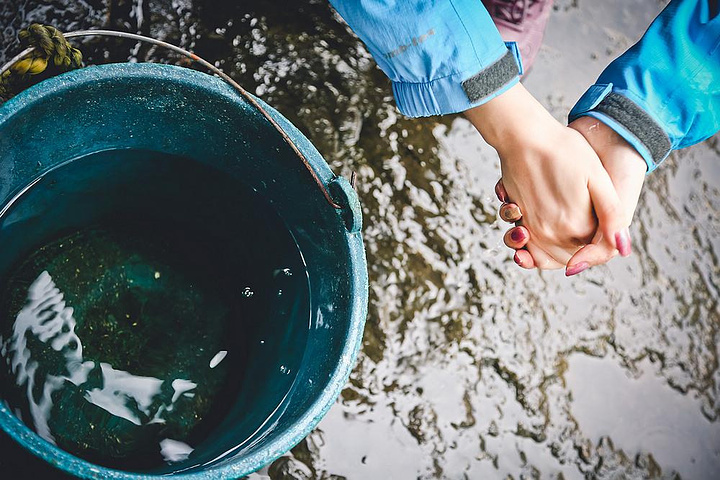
626 167
512 119
608 144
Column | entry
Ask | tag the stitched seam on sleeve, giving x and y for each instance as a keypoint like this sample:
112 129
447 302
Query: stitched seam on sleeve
477 57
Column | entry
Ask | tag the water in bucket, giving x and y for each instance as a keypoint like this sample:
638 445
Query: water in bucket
142 306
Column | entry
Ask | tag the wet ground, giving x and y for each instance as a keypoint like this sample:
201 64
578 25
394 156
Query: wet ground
471 367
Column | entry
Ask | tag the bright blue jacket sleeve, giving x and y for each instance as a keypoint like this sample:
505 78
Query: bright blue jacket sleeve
442 56
664 92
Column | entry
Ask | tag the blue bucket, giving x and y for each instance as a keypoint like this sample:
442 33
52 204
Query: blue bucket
186 114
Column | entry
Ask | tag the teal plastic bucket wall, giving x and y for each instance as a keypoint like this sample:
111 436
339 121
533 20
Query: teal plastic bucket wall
185 113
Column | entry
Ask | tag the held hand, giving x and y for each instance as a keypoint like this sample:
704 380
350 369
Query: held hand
626 169
553 176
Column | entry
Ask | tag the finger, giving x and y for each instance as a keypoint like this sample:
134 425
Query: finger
589 256
500 191
542 259
623 242
609 211
510 212
517 237
524 259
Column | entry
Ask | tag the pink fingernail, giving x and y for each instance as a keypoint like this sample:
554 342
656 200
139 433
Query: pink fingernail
500 192
577 268
622 240
517 235
517 259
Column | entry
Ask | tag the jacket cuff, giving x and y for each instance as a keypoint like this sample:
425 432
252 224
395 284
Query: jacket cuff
460 91
628 119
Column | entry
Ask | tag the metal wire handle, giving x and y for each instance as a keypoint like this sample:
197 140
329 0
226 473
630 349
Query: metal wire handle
250 99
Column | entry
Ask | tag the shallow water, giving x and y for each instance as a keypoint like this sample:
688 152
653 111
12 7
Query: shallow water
472 368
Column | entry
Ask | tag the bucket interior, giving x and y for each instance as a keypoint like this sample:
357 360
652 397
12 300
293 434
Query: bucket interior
233 226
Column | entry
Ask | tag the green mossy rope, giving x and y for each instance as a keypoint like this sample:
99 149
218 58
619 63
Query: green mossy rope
51 47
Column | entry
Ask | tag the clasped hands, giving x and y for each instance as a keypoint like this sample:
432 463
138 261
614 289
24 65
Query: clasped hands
571 191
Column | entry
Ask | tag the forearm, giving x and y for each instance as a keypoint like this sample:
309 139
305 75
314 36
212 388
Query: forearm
511 120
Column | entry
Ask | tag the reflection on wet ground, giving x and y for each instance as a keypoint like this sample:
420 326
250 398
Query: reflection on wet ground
472 368
642 413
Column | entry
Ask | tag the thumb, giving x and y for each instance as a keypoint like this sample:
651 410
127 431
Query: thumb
612 234
609 210
589 256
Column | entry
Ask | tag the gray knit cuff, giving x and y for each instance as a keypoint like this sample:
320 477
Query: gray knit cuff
638 122
628 119
492 78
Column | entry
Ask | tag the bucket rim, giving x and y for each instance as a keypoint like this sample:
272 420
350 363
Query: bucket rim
308 420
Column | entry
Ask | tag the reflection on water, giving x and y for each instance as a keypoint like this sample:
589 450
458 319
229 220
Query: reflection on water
45 355
469 367
174 451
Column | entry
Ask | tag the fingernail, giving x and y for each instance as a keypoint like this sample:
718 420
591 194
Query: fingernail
517 259
511 214
500 192
622 240
577 268
517 235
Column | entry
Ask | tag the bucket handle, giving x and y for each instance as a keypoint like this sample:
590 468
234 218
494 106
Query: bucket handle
250 99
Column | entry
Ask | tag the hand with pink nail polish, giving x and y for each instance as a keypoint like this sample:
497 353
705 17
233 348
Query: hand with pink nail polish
626 169
560 191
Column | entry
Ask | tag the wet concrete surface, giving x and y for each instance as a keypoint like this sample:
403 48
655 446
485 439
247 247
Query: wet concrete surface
471 367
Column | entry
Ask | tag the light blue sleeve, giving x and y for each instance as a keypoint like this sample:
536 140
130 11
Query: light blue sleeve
442 56
664 92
